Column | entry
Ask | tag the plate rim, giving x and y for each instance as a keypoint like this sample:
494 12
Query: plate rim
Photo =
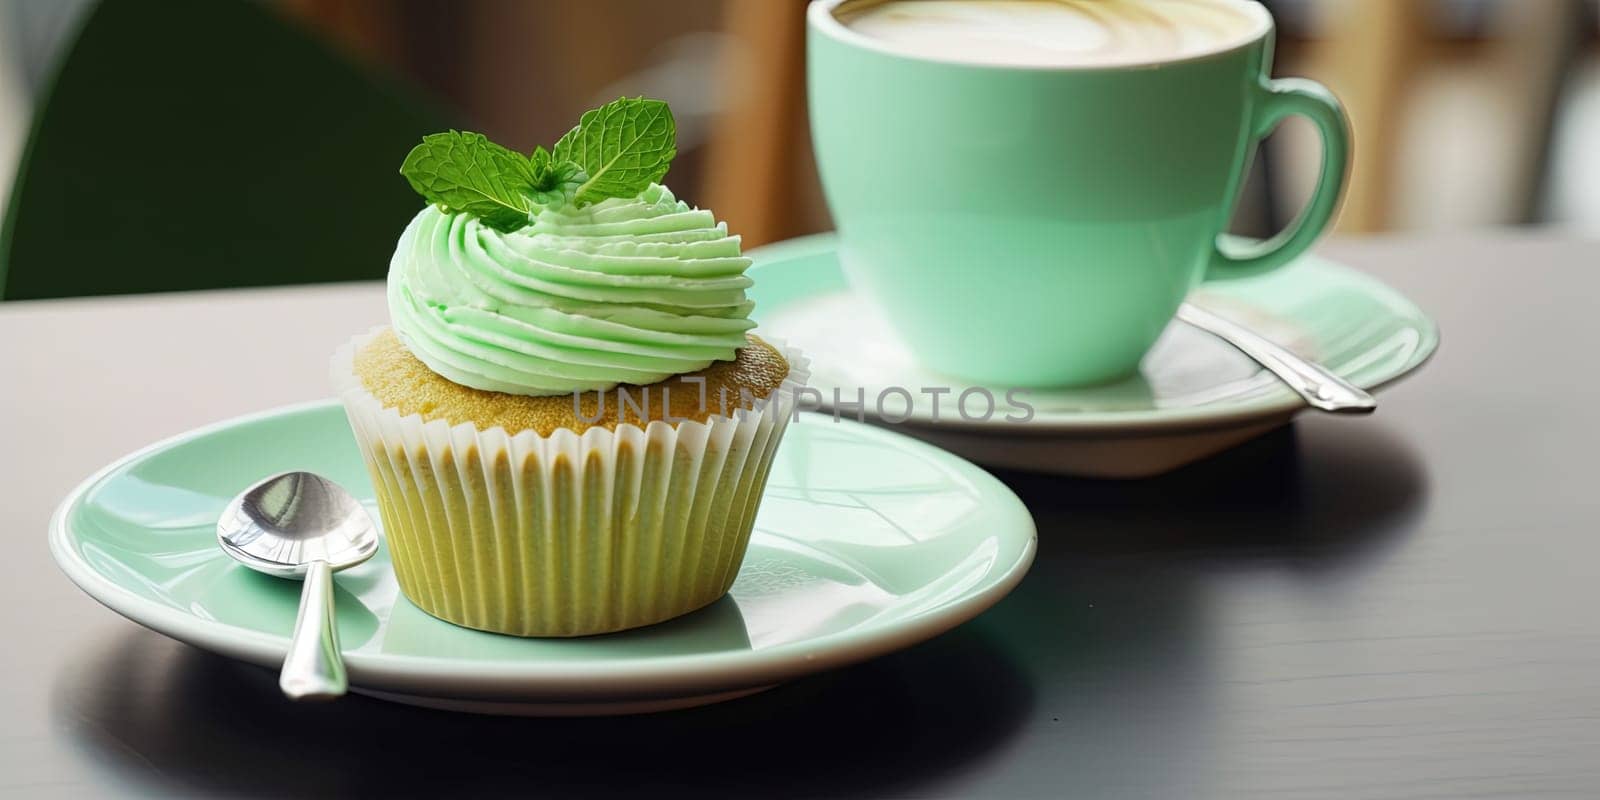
1283 402
572 680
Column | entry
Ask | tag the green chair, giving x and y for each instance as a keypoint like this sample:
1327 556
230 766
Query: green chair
195 144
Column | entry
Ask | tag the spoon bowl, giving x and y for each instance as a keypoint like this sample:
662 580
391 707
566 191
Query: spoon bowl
284 523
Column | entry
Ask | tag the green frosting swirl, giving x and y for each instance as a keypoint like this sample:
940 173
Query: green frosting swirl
631 290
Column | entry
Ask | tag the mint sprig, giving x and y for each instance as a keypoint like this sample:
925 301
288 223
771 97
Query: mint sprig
617 150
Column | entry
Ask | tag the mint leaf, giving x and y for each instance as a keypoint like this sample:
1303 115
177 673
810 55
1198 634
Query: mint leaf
622 147
540 163
553 181
465 172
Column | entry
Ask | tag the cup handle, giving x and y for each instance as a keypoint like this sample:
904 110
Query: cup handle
1278 100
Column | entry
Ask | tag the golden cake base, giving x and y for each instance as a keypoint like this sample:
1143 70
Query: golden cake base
400 381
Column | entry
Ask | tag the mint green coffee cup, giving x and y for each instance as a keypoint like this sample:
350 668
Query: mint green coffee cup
1035 226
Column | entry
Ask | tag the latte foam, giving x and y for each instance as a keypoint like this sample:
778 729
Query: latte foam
1062 33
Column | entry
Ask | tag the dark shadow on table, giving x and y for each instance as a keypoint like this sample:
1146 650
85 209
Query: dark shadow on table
1137 561
167 719
1319 498
1118 621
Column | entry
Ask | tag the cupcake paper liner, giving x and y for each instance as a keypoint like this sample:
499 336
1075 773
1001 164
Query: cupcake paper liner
567 534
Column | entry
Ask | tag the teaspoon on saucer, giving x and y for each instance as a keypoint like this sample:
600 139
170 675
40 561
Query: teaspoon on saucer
303 526
1321 388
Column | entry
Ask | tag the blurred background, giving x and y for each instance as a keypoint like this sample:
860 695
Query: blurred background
162 144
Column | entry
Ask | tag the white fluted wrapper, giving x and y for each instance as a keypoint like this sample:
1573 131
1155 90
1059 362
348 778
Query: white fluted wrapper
568 534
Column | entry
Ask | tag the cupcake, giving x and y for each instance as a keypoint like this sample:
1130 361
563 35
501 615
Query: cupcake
568 423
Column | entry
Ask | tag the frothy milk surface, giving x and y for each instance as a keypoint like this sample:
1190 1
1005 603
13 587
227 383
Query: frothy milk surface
1046 33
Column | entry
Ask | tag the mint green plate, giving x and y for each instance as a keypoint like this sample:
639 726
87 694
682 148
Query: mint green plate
866 542
1195 395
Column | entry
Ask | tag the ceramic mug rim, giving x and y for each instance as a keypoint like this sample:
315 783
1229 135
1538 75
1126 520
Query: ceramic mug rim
820 17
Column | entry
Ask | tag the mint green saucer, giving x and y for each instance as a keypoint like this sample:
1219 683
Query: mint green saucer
866 542
1194 395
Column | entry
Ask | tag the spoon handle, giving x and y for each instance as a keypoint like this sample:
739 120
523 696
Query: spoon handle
314 669
1319 387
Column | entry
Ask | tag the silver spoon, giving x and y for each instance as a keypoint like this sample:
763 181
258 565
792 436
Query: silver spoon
304 526
1321 388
